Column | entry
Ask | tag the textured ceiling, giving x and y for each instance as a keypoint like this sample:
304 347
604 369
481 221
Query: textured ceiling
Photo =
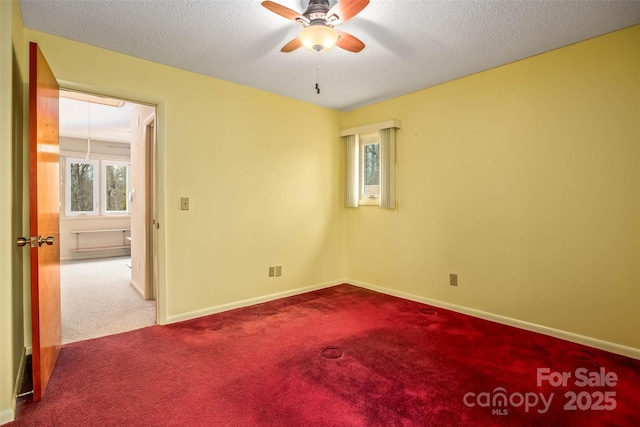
410 45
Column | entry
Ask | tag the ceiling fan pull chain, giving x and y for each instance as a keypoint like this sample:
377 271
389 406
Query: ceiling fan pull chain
317 80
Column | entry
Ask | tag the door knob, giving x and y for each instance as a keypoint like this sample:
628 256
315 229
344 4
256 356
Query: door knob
49 240
39 241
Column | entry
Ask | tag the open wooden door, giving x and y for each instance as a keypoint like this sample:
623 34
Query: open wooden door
44 170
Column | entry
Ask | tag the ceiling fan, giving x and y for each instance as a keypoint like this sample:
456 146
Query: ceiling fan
319 21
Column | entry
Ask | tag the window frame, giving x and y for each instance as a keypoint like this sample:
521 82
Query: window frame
103 187
364 139
67 187
386 131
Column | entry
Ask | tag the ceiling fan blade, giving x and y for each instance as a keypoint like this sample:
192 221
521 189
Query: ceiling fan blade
345 10
283 11
292 45
348 42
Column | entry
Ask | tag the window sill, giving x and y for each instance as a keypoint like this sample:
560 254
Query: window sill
369 202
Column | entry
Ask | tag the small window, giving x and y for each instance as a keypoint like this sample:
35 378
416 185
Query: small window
369 168
81 189
115 187
370 159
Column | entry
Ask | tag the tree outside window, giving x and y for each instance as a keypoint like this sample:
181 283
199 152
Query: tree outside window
371 169
82 187
116 188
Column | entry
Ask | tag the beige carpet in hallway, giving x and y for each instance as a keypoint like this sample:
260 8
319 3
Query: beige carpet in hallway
97 299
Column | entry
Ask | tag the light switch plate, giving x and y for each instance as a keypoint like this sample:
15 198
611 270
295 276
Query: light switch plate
453 279
184 203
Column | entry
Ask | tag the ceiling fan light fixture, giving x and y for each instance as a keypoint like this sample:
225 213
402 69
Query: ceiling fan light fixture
318 37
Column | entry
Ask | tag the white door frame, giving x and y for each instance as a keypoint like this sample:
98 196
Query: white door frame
138 98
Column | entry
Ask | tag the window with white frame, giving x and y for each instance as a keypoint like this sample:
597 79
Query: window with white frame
369 176
115 187
94 187
81 187
370 158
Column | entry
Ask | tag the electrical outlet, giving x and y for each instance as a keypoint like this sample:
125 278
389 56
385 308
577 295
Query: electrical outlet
453 279
184 203
278 270
272 271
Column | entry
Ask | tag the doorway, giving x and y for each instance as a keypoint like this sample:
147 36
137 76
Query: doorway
107 209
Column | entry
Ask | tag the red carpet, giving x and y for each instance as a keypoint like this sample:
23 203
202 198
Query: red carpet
342 356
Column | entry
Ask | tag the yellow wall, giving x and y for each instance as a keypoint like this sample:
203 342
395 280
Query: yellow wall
262 173
525 181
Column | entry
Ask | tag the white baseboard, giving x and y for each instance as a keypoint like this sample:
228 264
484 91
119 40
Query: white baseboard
7 415
137 288
556 333
252 301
